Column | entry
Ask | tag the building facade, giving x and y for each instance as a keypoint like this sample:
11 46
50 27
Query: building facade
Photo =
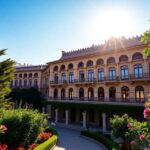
88 86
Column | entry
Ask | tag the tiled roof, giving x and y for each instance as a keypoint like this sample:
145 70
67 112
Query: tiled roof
29 68
111 44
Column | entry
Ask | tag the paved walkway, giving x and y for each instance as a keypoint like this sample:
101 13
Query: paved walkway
70 139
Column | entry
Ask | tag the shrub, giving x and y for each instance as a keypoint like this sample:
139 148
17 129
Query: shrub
111 145
23 125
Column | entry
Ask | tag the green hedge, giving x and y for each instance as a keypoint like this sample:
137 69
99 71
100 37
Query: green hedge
48 144
111 145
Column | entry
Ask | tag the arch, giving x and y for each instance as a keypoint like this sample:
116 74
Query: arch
20 75
70 93
63 96
123 58
80 65
90 93
100 62
89 63
70 66
112 93
81 93
125 93
20 83
139 93
101 94
30 82
25 75
137 56
55 94
30 75
25 83
62 67
111 60
35 75
55 68
35 83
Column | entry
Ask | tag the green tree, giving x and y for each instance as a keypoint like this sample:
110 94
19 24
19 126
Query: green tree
6 76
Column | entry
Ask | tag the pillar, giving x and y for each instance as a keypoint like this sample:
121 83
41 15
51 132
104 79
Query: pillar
104 122
67 116
84 119
56 115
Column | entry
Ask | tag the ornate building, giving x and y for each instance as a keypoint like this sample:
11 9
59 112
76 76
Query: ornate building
88 86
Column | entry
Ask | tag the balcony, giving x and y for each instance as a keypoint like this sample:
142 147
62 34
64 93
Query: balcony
97 100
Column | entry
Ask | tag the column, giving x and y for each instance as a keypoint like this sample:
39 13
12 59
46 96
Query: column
67 116
56 115
104 122
84 119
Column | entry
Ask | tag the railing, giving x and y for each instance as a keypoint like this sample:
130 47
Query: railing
130 77
98 99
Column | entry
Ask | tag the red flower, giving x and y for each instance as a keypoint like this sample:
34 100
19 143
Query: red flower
3 147
129 125
3 128
45 135
20 148
141 137
32 146
146 112
132 142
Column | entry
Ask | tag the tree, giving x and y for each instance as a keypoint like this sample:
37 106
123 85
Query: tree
6 76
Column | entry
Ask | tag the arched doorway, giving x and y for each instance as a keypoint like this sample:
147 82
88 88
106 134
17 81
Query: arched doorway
55 94
125 93
112 93
90 94
101 94
71 94
63 94
139 93
81 94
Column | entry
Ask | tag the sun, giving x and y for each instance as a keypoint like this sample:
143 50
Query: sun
112 23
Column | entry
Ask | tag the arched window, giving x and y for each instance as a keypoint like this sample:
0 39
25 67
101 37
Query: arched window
125 93
112 73
123 58
99 62
100 74
71 94
112 93
89 63
137 56
25 75
101 93
90 94
35 83
35 75
138 71
90 75
20 83
20 75
55 94
30 75
81 94
124 73
30 82
111 60
63 97
139 93
70 66
62 68
55 68
81 65
25 83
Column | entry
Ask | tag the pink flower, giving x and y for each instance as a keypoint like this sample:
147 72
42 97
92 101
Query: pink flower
132 142
3 128
146 112
141 137
129 125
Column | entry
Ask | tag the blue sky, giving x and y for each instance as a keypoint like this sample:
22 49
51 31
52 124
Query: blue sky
36 31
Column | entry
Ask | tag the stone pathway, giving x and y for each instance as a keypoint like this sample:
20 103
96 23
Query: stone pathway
70 139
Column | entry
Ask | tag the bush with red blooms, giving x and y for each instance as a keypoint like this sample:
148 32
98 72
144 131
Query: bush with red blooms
45 135
3 147
32 146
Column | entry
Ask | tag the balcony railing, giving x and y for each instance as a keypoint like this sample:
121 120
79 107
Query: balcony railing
131 77
98 99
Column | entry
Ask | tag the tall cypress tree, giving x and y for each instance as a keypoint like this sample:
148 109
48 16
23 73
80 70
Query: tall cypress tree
6 76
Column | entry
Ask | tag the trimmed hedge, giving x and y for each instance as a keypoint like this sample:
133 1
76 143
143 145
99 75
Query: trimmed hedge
111 145
48 144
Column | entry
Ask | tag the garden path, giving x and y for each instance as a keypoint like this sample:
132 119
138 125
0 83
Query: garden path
70 139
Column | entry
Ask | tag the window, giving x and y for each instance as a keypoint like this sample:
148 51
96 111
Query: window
124 73
35 75
89 63
100 62
139 93
125 93
25 75
112 73
70 66
16 83
101 74
71 77
63 77
90 75
138 71
20 75
81 76
81 94
30 82
30 75
56 78
112 93
80 65
90 94
123 58
25 83
137 56
62 68
70 93
35 82
101 93
55 68
111 60
63 97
